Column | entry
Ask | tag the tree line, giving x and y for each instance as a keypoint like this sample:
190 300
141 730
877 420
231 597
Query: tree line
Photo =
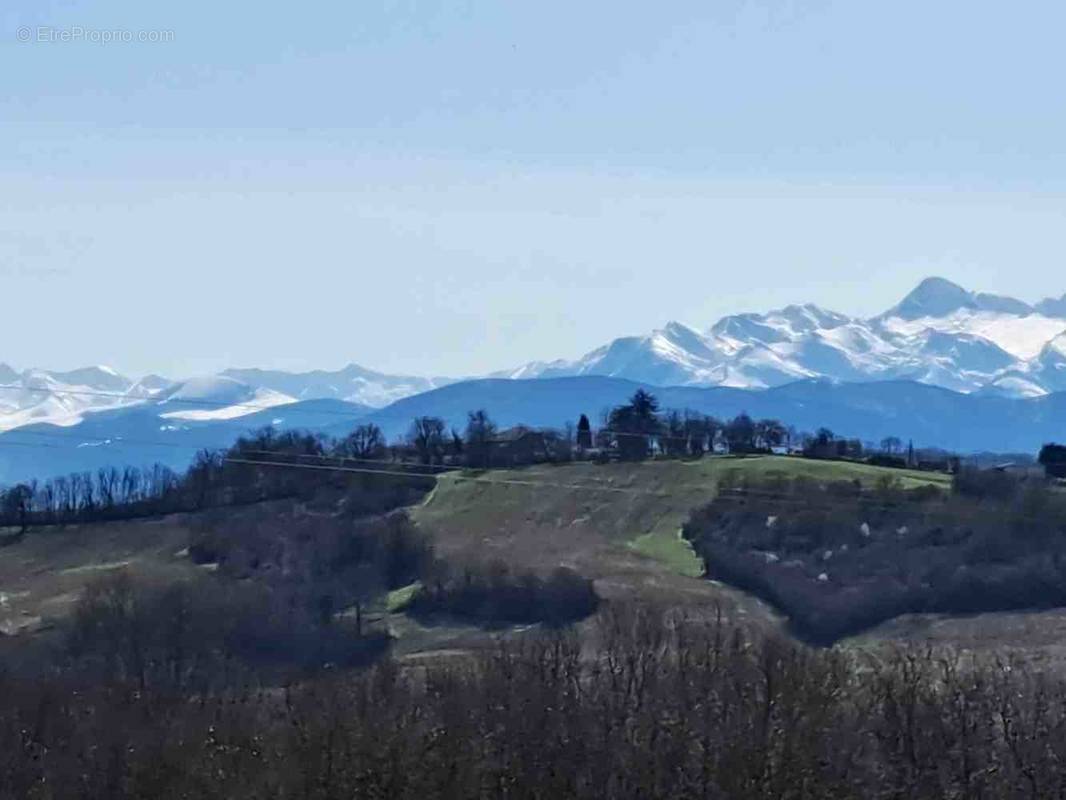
214 478
635 430
651 704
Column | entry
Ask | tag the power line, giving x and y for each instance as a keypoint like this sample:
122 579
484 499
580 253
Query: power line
443 470
108 442
119 442
736 495
319 457
451 475
124 443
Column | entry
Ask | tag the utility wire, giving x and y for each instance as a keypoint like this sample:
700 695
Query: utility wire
442 470
119 442
451 476
734 495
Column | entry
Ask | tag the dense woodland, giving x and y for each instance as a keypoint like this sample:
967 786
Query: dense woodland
659 706
839 558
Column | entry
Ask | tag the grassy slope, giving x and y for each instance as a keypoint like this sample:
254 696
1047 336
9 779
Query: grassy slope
642 506
628 542
42 576
547 516
617 523
830 470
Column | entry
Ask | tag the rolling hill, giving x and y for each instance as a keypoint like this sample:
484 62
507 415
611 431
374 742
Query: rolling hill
929 415
171 428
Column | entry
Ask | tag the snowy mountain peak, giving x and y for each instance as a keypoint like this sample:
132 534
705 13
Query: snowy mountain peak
789 324
678 329
99 378
740 328
216 397
154 383
58 398
681 335
1052 306
211 388
940 333
1001 304
974 353
939 297
1056 345
1049 368
352 383
933 297
809 317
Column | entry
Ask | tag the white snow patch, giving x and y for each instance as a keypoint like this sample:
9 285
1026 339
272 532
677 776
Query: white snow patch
259 401
1022 337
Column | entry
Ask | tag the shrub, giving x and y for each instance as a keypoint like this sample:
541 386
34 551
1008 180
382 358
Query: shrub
494 594
838 559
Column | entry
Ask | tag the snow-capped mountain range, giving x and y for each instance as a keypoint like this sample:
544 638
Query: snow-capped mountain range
66 398
63 398
1003 360
940 334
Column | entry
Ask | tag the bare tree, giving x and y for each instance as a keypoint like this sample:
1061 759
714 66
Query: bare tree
891 444
15 504
427 436
366 441
480 431
770 433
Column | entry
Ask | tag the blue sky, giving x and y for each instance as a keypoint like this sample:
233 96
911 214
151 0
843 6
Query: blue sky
450 188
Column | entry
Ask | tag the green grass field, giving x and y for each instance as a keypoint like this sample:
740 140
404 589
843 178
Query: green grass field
617 523
828 470
672 551
514 514
399 599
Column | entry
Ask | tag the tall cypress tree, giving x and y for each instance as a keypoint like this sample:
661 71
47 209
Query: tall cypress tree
584 432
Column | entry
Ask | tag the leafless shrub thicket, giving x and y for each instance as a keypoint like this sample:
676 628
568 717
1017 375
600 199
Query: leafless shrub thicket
660 708
839 558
